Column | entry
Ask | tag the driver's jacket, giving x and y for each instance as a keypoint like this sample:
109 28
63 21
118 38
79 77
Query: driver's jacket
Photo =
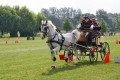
86 24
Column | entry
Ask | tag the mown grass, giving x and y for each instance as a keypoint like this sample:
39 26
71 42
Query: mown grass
31 60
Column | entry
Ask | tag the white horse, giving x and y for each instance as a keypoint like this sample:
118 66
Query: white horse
57 41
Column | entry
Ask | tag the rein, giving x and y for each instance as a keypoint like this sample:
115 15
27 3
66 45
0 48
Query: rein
58 42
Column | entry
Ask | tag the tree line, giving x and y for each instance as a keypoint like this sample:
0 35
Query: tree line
14 19
108 21
19 19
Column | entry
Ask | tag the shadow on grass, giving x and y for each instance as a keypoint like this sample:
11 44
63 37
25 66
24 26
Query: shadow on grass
69 66
117 62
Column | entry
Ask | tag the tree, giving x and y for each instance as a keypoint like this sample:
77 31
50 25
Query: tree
103 14
67 25
16 19
117 24
24 22
58 15
104 26
39 18
5 17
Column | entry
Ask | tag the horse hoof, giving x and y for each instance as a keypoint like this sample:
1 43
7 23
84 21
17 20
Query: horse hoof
53 67
66 60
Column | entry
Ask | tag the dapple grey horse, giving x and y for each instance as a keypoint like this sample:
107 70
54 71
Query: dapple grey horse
57 41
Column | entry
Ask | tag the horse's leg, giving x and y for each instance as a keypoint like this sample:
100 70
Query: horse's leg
56 49
53 56
66 55
76 54
54 59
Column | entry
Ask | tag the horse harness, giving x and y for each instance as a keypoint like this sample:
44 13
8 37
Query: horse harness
60 41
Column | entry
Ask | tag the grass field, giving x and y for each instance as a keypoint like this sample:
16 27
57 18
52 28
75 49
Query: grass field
31 60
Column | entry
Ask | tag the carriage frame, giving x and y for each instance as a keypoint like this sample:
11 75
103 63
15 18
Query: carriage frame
92 50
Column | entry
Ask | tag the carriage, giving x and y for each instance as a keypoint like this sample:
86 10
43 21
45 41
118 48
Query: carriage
91 47
70 43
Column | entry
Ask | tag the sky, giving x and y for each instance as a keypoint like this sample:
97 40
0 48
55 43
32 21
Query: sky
86 6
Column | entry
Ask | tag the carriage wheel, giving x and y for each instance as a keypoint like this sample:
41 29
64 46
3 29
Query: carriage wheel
104 49
82 55
93 56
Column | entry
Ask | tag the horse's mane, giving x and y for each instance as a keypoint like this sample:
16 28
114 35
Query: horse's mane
50 22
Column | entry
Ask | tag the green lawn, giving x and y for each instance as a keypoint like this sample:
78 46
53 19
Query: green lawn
31 60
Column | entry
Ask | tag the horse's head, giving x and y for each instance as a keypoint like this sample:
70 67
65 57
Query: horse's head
44 29
47 28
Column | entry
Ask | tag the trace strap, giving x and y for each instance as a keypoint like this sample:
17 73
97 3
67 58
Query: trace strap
59 42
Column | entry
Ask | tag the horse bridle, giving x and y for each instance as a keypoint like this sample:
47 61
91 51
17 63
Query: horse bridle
46 28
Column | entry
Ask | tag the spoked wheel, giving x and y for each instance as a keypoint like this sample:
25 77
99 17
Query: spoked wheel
104 49
93 56
82 55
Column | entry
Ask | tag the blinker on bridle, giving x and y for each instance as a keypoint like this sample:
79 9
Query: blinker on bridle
45 32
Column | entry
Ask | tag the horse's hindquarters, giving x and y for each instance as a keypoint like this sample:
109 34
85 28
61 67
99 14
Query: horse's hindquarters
69 38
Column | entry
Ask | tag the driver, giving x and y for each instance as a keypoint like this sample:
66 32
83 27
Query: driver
96 24
85 24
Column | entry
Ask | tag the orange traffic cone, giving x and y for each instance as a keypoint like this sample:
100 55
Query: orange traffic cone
117 42
107 57
6 42
16 41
